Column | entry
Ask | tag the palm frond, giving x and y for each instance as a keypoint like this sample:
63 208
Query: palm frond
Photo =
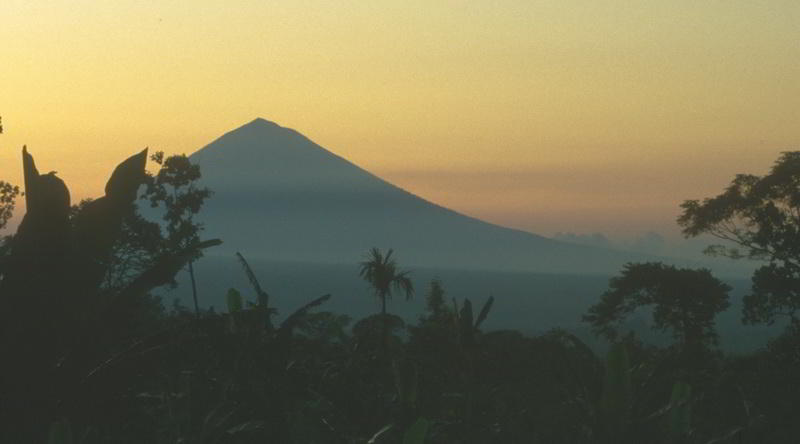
263 297
484 311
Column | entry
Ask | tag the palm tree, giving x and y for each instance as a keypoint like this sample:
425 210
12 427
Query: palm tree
382 273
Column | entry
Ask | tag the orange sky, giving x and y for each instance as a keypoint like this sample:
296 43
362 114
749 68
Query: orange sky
542 115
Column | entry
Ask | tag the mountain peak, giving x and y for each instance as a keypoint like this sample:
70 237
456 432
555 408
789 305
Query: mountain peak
281 196
257 134
260 145
260 128
262 121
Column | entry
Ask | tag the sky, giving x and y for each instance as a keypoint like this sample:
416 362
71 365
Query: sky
548 116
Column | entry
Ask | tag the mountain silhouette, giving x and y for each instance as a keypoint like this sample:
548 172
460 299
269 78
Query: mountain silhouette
279 196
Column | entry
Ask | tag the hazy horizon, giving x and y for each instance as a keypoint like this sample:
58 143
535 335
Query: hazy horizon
662 244
417 222
546 117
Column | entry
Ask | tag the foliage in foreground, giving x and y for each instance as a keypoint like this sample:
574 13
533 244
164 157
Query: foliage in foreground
79 367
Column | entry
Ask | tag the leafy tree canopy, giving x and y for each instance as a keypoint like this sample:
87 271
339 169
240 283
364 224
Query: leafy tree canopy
175 188
142 242
759 217
684 301
8 197
382 272
435 305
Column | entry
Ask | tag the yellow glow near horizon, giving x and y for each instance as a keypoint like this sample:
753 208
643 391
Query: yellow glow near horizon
543 115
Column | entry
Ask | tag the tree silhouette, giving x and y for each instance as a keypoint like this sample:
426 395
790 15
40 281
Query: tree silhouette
8 197
383 275
175 188
760 216
435 305
58 324
684 301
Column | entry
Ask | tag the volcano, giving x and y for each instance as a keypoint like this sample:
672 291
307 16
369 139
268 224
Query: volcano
279 196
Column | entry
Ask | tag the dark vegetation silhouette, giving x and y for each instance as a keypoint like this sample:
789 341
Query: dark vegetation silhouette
175 189
89 356
8 198
760 216
60 324
383 275
684 301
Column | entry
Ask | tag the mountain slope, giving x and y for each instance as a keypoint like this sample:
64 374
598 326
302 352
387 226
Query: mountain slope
280 196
